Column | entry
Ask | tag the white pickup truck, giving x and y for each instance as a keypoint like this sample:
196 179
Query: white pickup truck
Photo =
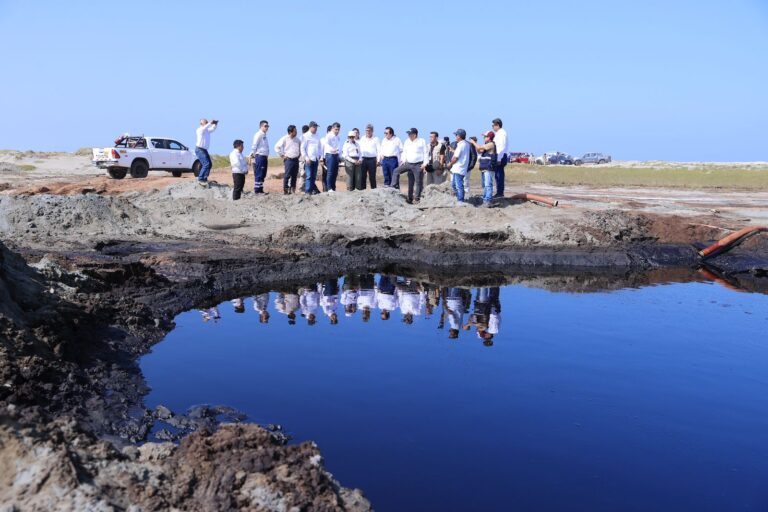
139 154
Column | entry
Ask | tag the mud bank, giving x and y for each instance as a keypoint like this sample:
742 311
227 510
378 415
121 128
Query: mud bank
92 282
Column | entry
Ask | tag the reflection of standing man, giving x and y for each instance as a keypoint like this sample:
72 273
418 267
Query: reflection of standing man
366 296
288 304
260 154
238 305
329 300
260 303
349 293
309 302
385 296
454 308
411 298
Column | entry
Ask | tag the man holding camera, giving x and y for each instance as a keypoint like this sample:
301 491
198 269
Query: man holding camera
202 142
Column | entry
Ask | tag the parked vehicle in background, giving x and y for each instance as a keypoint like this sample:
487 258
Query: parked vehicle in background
561 159
593 158
521 158
139 154
544 159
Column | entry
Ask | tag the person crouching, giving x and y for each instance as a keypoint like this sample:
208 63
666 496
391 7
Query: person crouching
239 169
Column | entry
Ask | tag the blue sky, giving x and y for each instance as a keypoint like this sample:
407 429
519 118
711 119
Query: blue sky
683 80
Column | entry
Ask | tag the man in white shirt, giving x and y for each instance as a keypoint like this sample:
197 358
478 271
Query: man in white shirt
500 138
459 164
369 147
260 154
260 303
389 156
312 151
239 169
413 160
202 142
331 155
289 149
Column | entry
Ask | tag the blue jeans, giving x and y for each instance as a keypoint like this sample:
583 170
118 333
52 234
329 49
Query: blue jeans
457 182
310 168
388 165
291 166
205 160
259 172
332 164
487 178
499 172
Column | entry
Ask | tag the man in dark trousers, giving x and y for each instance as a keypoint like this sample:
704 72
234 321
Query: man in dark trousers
239 169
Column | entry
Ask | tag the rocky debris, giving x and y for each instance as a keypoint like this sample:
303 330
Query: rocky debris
237 467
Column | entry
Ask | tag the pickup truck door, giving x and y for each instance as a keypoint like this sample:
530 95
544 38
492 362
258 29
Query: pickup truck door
161 157
180 155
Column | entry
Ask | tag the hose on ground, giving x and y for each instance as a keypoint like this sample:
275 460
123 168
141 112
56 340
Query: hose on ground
536 198
730 241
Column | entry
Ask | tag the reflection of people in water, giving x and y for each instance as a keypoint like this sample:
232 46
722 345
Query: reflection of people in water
288 304
454 310
433 299
494 316
210 314
260 303
366 296
329 300
349 294
486 315
386 300
238 305
411 298
309 301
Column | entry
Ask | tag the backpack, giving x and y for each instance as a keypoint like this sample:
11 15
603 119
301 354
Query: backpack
472 157
488 161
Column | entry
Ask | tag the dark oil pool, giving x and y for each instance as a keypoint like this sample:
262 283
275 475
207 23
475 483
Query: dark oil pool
496 398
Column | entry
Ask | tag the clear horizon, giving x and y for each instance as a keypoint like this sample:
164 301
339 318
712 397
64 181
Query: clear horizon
683 82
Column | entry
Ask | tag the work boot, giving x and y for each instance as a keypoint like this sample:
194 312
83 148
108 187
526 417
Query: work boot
286 191
293 190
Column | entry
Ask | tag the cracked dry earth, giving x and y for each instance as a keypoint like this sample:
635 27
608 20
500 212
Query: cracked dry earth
89 282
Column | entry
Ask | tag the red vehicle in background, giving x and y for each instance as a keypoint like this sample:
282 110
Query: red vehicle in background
520 158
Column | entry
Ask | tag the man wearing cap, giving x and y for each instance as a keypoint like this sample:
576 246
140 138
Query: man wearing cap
413 161
487 160
501 150
332 152
289 148
353 162
369 149
459 164
312 151
260 154
389 156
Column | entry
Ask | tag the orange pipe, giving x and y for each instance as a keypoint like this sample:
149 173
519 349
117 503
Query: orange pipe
539 199
719 280
731 240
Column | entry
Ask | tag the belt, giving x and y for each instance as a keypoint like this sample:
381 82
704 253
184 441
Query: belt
393 156
415 163
292 158
369 157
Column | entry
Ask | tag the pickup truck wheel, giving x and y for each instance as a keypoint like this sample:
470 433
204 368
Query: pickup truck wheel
196 168
176 174
117 173
139 169
600 162
577 162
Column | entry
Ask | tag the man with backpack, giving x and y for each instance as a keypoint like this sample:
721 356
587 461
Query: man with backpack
488 159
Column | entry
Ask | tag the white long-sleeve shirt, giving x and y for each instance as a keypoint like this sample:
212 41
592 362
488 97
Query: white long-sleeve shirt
412 302
237 161
366 298
288 147
203 139
415 151
384 301
309 301
500 138
260 144
311 147
260 302
351 151
331 144
369 146
390 147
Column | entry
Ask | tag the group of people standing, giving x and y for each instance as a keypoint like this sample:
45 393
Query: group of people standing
364 293
309 153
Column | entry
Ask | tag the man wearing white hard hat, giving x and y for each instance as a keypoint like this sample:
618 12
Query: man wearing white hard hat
353 162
